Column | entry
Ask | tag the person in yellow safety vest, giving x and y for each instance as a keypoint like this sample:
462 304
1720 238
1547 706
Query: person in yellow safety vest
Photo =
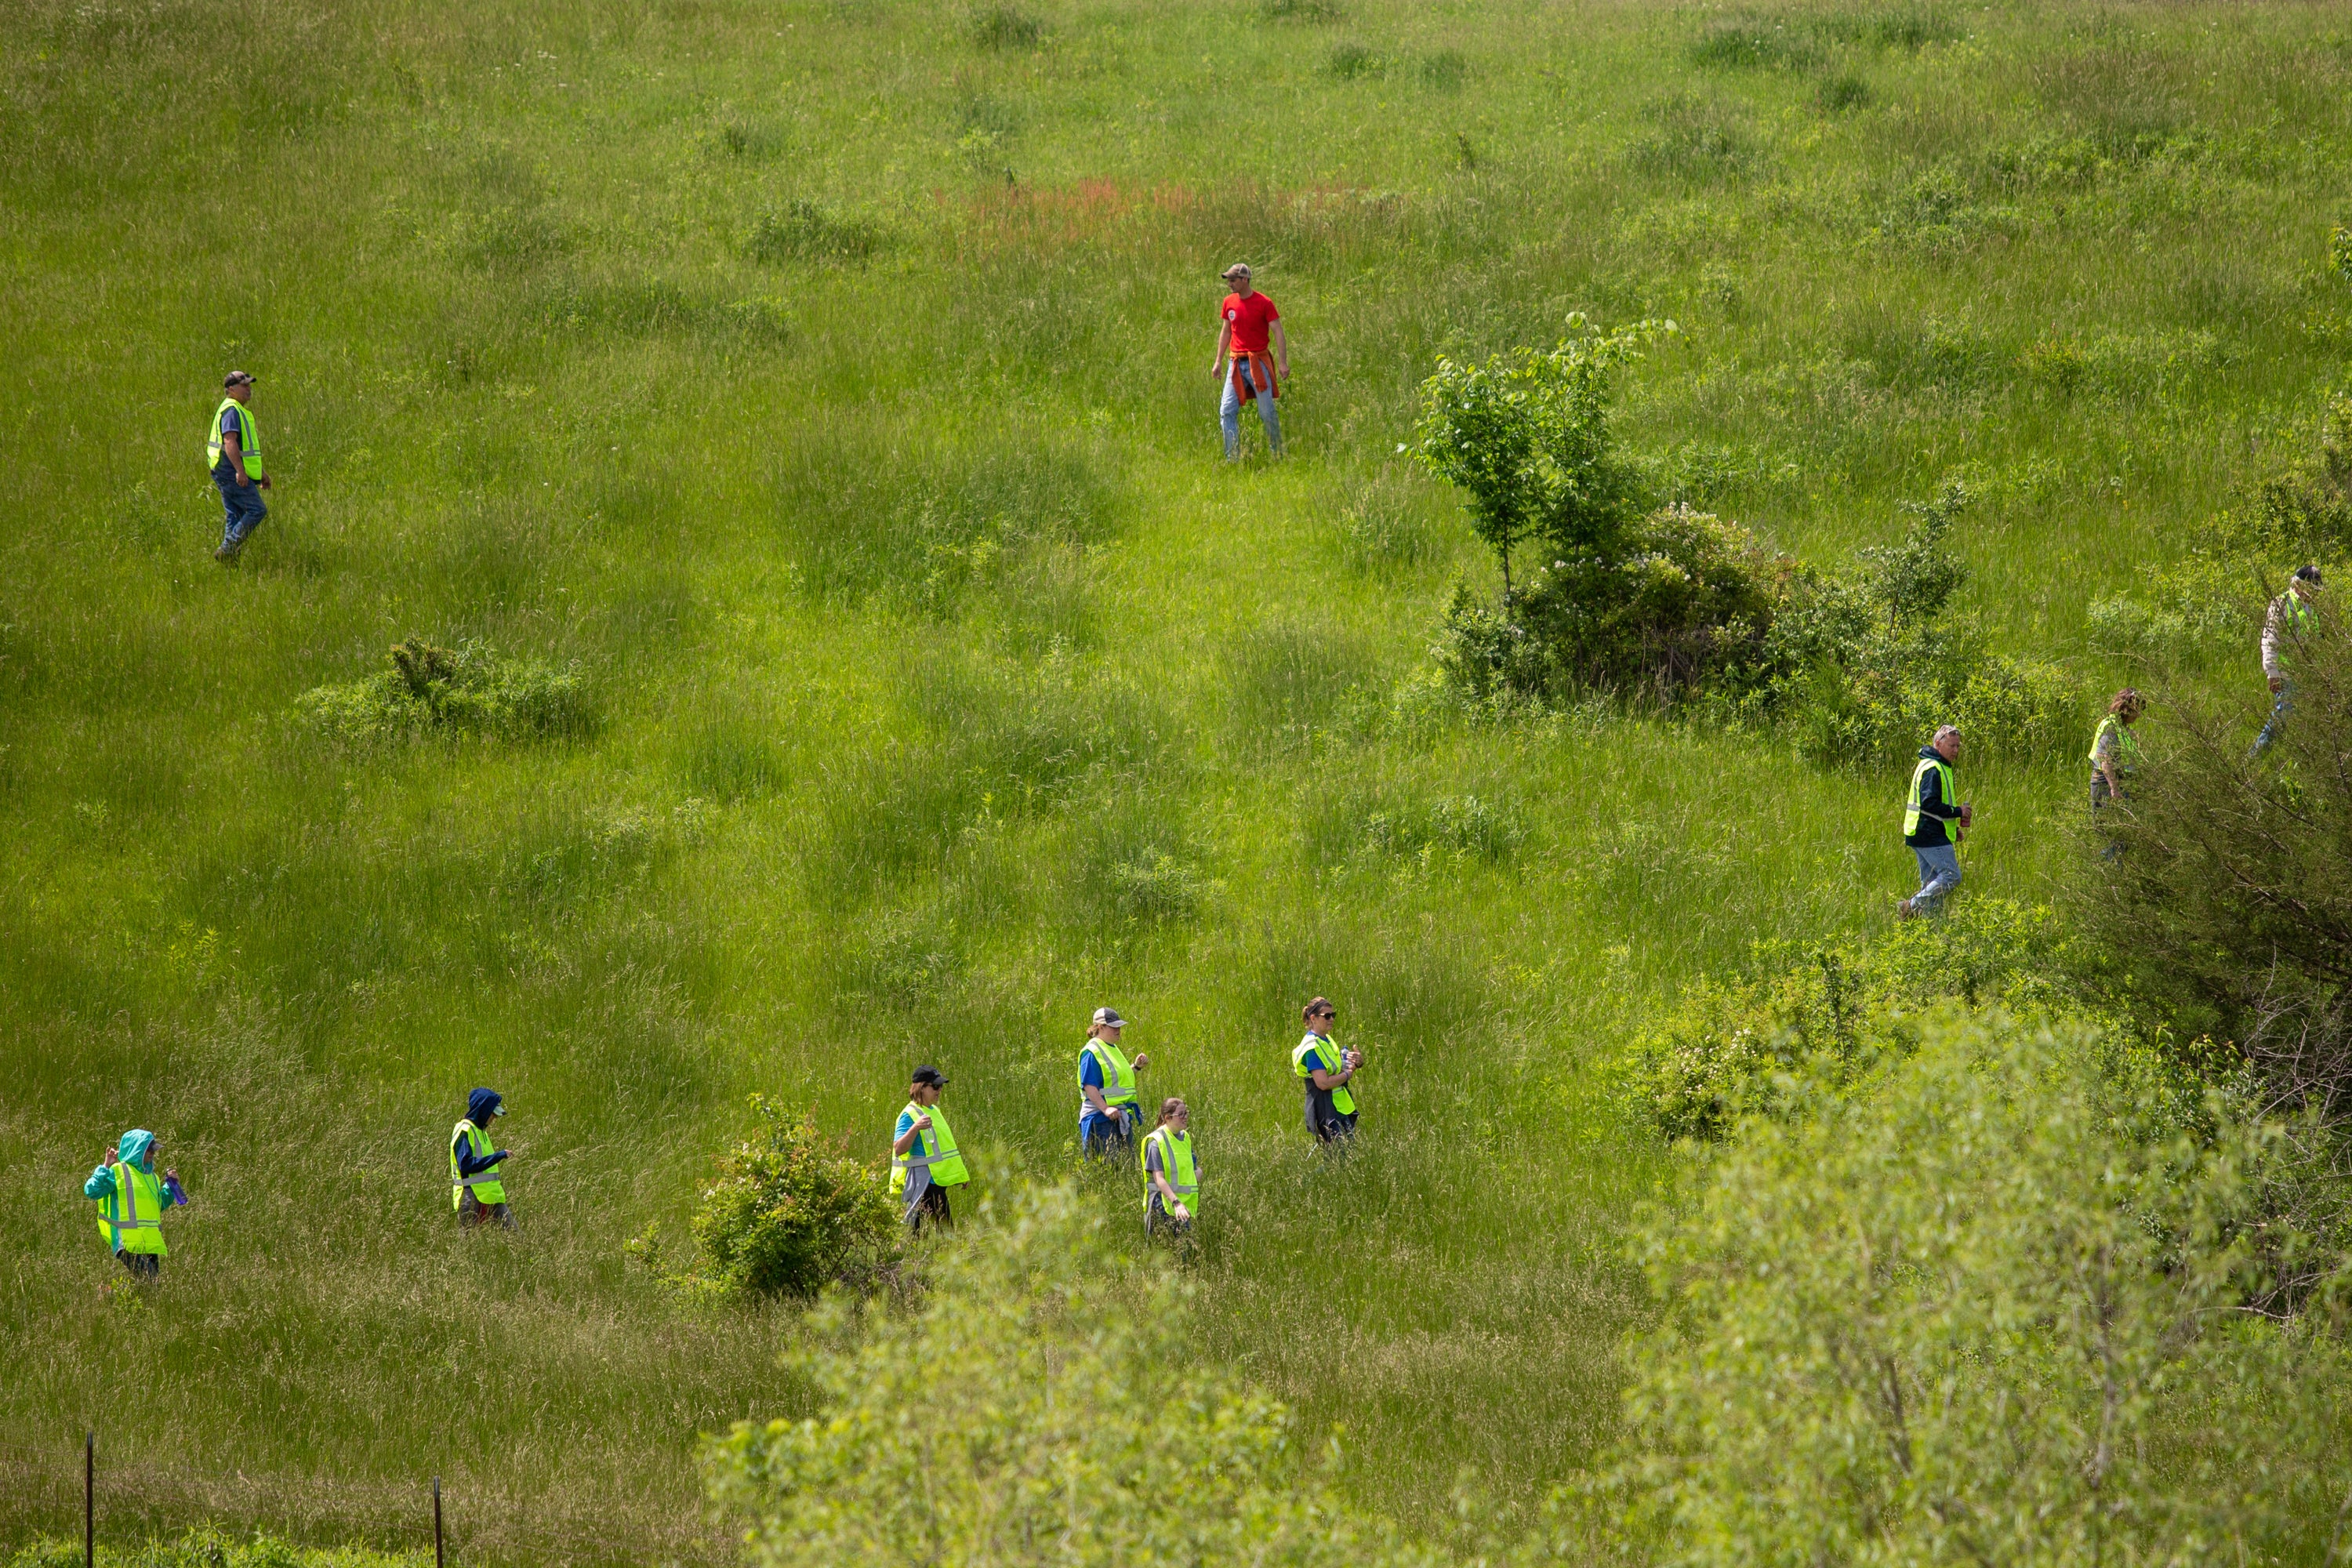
1325 1071
131 1203
924 1160
2115 750
477 1188
233 456
1108 1110
1171 1171
2291 619
1933 823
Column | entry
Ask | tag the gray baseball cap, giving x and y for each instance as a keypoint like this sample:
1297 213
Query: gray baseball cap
239 378
1110 1016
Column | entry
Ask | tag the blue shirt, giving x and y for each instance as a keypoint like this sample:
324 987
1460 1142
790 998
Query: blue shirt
1089 1071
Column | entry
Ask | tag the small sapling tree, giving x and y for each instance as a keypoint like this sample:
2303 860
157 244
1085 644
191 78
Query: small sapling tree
1525 436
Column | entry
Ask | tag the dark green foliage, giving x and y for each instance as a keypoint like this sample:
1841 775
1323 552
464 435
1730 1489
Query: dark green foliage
1004 27
1350 60
1840 93
803 230
790 1213
1300 10
1915 580
472 689
1687 602
2229 906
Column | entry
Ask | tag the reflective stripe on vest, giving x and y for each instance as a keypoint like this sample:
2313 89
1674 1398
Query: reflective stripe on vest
1119 1075
1341 1100
248 439
1175 1164
1911 806
131 1217
2126 744
487 1184
935 1150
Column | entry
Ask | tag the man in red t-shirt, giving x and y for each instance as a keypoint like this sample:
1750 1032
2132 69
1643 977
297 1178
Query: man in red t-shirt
1245 368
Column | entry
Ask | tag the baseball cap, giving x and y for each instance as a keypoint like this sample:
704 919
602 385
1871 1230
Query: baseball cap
929 1075
239 378
1238 270
2310 575
1110 1016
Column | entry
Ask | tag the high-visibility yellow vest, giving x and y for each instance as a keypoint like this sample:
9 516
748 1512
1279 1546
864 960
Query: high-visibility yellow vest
1117 1072
1175 1164
1341 1100
248 439
2126 743
131 1217
487 1186
2299 623
1911 806
935 1150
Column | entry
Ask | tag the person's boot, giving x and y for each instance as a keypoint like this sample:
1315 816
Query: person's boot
227 553
1904 911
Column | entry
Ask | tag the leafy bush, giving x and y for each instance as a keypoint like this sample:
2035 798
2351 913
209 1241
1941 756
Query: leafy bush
1047 1380
789 1215
803 230
207 1547
469 690
1156 885
1835 1012
1990 1311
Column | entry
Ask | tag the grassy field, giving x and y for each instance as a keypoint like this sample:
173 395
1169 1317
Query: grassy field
830 382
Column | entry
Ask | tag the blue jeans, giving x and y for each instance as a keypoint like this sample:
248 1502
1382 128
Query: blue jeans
2277 725
242 503
1939 873
1099 1135
1229 414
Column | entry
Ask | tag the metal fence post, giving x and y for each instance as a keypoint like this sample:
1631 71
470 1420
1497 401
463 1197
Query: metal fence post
89 1499
436 1521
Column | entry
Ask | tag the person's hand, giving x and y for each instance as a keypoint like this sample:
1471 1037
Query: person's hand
265 481
244 482
1282 369
922 1125
1116 1112
1141 1060
1180 1210
170 1174
2276 681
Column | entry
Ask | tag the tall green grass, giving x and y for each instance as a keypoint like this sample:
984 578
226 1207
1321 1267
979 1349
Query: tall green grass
828 382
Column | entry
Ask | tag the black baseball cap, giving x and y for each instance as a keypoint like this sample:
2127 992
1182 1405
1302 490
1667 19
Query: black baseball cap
930 1074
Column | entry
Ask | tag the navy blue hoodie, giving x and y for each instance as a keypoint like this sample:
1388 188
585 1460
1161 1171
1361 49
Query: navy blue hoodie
480 1106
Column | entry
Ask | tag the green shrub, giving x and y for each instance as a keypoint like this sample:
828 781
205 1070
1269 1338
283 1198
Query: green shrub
1156 885
1835 1012
1047 1380
469 690
1990 1311
803 230
789 1215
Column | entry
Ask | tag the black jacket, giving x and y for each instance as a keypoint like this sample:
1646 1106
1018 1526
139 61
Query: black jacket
1936 815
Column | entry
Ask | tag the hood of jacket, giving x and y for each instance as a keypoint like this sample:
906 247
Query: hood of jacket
480 1106
137 1148
1929 754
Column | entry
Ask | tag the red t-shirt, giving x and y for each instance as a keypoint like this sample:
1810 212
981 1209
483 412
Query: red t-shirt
1250 319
